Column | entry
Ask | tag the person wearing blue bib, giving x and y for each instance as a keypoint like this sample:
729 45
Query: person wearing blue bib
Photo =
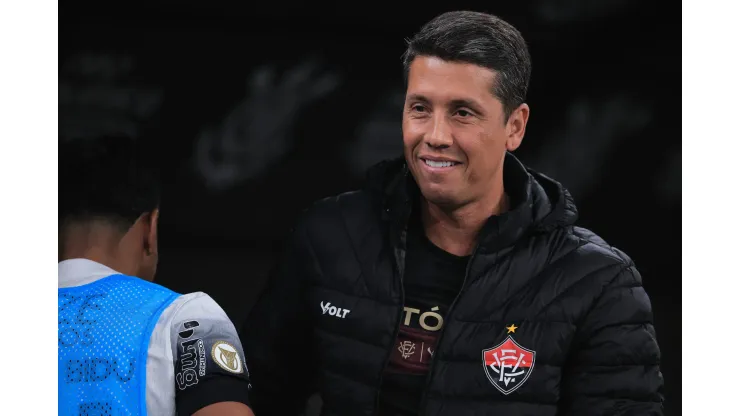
128 346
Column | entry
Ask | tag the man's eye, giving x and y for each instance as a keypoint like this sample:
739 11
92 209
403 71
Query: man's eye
464 113
418 108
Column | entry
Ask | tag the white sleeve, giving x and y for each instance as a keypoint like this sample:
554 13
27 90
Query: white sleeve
181 354
207 356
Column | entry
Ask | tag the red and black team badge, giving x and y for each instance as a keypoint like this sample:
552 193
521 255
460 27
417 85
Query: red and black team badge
508 365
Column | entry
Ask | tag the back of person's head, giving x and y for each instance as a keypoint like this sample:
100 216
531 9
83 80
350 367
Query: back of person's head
108 203
481 39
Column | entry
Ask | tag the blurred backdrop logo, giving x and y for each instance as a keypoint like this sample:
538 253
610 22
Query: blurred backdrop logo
257 131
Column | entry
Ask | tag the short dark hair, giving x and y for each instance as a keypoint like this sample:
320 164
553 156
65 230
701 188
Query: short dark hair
106 178
481 39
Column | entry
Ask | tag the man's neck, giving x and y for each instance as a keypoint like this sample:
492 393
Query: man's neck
456 230
95 244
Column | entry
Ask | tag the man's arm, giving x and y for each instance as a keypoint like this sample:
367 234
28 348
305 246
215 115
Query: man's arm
277 334
614 368
225 409
211 377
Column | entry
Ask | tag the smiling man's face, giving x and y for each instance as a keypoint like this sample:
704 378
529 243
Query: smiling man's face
454 130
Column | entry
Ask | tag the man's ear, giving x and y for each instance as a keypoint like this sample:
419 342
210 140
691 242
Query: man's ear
516 126
150 237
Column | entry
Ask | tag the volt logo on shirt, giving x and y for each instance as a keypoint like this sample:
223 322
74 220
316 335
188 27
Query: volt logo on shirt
333 310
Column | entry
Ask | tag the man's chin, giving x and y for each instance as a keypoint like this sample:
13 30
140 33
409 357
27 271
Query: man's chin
440 196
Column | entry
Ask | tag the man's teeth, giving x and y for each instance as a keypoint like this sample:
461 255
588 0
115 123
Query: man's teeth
436 164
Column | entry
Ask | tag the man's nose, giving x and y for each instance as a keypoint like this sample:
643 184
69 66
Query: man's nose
440 136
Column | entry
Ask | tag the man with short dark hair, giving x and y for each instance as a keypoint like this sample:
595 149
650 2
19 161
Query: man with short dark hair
456 282
126 345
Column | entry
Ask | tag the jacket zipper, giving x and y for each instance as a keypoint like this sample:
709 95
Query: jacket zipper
441 336
398 323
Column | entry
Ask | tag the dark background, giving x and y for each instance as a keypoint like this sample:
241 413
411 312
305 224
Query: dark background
259 110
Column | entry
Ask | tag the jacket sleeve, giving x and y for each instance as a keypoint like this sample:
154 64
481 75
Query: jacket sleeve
276 335
613 368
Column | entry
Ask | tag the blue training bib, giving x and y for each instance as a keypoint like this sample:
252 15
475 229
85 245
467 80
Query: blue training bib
104 332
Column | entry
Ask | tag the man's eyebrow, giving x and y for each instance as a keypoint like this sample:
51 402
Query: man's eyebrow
465 102
417 97
457 102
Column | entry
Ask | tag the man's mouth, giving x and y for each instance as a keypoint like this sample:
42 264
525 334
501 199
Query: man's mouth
439 163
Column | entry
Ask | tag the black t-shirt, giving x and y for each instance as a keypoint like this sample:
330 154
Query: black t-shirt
432 280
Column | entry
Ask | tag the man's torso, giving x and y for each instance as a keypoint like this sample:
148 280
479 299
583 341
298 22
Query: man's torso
542 285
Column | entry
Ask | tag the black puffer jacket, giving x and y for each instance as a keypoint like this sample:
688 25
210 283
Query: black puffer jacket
578 304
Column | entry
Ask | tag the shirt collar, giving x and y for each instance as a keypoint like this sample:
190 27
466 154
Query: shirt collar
78 272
